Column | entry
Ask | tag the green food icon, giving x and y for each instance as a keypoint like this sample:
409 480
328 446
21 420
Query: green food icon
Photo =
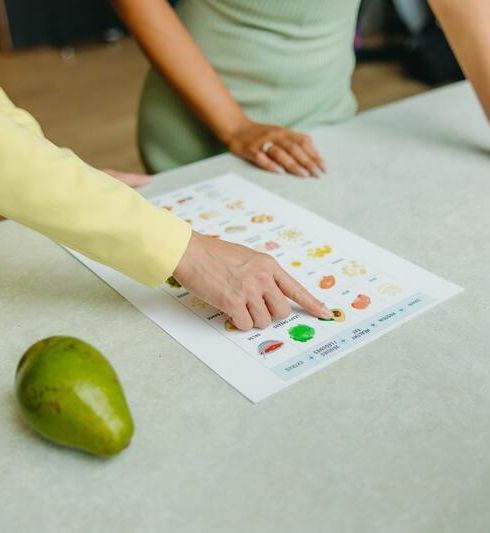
173 282
70 394
301 333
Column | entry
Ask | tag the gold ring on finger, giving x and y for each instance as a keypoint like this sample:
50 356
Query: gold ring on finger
266 146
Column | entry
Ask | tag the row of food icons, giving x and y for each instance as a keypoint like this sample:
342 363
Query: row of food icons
214 214
329 281
210 214
298 332
352 299
356 299
326 282
304 333
287 235
232 229
184 198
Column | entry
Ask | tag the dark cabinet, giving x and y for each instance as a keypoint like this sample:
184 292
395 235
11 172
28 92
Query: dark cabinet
55 22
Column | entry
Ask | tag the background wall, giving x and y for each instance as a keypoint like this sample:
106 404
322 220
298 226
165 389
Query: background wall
85 92
56 22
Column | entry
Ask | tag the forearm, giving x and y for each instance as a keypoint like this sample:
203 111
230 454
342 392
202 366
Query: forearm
175 55
52 191
466 25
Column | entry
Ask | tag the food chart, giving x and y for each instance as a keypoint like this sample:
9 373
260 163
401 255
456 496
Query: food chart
370 290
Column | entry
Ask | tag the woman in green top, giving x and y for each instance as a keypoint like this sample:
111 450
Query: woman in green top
239 74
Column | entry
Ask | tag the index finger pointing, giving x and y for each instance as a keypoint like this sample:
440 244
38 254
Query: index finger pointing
296 292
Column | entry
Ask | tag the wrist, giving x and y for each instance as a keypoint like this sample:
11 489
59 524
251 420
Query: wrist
188 257
229 129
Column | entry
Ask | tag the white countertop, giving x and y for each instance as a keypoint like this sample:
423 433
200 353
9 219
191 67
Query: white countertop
392 438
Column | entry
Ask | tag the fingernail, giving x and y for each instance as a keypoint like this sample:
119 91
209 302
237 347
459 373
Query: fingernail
317 172
280 170
304 173
326 313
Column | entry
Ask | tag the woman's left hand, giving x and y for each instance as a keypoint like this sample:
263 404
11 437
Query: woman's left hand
277 149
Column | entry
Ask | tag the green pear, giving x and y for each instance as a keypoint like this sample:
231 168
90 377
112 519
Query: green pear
70 394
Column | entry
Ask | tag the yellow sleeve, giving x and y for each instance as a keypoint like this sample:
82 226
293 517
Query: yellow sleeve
20 116
52 191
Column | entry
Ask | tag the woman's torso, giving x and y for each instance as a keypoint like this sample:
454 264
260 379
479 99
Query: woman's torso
285 61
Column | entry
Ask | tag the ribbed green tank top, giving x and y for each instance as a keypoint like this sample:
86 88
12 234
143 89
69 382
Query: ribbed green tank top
287 62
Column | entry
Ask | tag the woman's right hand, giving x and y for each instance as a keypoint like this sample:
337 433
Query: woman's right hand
276 149
250 287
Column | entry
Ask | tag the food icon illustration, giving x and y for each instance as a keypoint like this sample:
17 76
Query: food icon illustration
389 289
237 204
327 282
271 245
290 235
235 229
338 316
361 302
267 246
353 269
262 219
229 326
301 333
267 347
319 252
296 263
173 283
185 199
208 215
197 302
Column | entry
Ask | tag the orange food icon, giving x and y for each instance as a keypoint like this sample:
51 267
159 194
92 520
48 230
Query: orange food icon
361 302
327 282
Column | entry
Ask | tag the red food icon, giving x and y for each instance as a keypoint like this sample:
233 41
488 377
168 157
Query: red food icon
271 245
268 347
361 302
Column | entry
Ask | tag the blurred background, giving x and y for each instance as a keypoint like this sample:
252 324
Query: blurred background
72 64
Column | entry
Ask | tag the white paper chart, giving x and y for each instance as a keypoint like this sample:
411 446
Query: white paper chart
369 289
